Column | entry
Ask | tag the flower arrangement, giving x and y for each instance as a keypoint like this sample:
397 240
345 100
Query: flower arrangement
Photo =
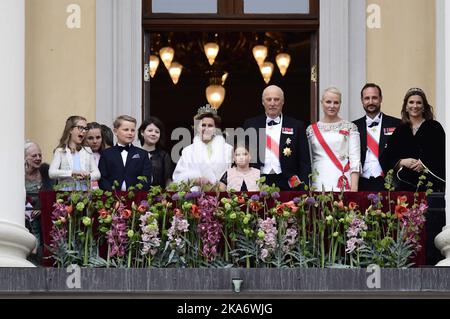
265 229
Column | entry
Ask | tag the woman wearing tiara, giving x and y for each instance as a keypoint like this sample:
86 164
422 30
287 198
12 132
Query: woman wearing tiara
209 156
417 147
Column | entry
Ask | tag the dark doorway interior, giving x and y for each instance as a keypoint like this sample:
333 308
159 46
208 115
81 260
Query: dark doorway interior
176 104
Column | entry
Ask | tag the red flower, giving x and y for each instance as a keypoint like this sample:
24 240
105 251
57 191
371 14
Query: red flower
352 205
126 213
400 210
280 209
402 199
69 209
292 206
142 209
344 132
255 206
103 213
195 211
241 200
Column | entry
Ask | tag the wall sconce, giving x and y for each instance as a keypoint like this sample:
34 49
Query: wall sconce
166 55
154 63
283 61
266 71
260 54
211 51
175 71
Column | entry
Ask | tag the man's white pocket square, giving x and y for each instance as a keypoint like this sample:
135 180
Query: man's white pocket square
136 156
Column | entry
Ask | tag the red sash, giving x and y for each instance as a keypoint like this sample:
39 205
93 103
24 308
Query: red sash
372 145
272 146
343 180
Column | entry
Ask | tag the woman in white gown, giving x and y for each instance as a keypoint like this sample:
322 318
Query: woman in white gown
334 147
209 156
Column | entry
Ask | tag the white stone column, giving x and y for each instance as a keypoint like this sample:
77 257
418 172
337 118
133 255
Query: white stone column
342 37
118 59
15 240
442 241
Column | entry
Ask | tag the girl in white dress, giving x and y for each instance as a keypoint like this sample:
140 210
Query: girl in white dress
73 164
334 147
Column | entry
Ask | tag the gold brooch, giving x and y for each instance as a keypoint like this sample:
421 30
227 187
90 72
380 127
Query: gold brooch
287 151
288 141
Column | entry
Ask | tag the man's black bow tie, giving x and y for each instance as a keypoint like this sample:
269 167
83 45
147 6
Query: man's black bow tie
272 122
124 148
374 123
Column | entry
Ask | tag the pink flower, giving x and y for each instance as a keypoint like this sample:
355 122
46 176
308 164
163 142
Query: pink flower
209 228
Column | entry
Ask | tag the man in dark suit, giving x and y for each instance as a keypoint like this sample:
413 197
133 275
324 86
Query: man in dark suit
375 129
282 147
124 162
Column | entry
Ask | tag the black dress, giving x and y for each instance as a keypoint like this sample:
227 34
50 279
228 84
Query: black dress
162 167
428 145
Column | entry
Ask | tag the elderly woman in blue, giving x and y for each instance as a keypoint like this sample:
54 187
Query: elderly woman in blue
73 164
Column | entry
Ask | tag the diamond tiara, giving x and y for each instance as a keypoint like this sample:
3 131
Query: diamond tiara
415 90
207 109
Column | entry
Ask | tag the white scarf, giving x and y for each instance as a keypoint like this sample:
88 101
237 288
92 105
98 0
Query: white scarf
195 162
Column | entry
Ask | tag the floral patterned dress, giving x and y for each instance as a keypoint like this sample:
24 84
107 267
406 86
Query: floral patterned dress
343 141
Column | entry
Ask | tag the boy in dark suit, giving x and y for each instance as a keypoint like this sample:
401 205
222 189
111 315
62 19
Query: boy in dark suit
283 155
375 129
124 162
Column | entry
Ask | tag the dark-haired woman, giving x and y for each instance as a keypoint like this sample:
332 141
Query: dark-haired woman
151 134
417 147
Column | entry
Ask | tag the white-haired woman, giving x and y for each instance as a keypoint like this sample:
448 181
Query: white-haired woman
334 147
36 180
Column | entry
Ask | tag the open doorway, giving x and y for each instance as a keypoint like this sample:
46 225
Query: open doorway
237 26
176 104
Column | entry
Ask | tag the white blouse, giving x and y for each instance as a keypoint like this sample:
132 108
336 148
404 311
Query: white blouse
62 165
343 139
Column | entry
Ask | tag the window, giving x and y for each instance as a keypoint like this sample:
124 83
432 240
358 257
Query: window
184 6
276 6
